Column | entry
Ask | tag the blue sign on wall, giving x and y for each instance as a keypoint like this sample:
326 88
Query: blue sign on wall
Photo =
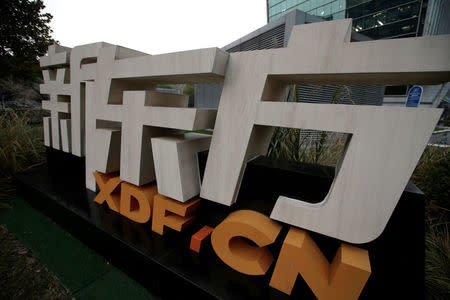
414 95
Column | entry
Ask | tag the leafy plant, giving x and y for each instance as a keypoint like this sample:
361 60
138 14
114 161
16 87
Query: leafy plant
25 34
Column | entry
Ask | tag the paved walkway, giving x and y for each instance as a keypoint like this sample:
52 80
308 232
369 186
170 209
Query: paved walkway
84 272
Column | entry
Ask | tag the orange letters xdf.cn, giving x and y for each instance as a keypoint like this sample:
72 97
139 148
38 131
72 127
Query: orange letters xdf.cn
344 278
137 203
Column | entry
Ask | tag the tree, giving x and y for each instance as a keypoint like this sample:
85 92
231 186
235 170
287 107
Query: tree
25 35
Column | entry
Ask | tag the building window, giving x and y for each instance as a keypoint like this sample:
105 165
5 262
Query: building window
396 90
368 7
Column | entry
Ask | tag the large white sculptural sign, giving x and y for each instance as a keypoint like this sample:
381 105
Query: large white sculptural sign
104 106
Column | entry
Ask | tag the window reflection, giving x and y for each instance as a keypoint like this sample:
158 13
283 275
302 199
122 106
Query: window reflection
410 11
327 9
368 7
370 17
405 28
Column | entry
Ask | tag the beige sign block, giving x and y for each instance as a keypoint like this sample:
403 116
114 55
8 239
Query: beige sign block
56 85
385 141
47 131
121 97
79 57
57 56
66 141
176 164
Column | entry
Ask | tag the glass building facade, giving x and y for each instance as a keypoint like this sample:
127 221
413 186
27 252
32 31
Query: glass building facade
377 19
437 20
329 9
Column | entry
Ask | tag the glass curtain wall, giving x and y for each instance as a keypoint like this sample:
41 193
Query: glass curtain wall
328 9
377 19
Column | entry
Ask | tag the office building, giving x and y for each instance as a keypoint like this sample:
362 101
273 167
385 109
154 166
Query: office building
377 19
381 19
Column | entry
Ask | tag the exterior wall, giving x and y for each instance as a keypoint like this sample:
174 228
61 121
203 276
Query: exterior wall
353 94
440 137
431 97
167 90
437 20
207 95
386 19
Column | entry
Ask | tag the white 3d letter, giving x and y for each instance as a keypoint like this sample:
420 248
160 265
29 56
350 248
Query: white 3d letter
384 140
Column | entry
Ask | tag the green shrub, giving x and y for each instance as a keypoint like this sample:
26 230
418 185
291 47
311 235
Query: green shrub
189 90
15 89
432 176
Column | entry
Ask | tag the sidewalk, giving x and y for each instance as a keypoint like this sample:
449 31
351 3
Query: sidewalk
85 273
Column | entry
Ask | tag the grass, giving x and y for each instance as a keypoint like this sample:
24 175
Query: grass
21 147
432 176
22 275
437 261
311 146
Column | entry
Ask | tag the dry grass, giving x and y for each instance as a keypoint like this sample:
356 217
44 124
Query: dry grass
432 176
21 145
311 146
318 147
437 261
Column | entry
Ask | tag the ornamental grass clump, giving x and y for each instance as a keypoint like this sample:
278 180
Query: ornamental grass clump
21 145
310 146
432 176
437 261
